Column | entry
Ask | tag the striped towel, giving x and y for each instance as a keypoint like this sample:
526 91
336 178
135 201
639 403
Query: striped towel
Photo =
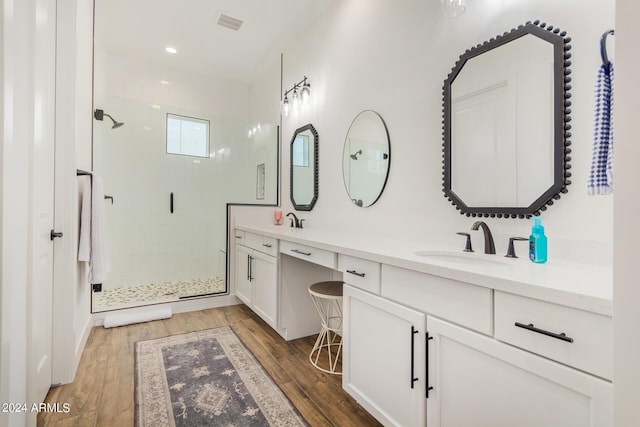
601 173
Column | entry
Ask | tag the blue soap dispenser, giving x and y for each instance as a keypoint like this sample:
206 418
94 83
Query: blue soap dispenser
537 243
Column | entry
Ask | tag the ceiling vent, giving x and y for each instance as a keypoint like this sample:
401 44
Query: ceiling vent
230 22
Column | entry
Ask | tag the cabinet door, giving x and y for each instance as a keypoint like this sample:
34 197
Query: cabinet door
265 287
478 381
243 282
384 358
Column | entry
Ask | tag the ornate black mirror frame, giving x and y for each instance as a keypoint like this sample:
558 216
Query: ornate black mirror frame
561 121
312 203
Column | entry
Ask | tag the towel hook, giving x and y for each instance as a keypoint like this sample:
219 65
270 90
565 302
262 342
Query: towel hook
603 48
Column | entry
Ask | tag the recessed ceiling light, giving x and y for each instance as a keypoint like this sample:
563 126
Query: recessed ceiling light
170 49
164 82
156 106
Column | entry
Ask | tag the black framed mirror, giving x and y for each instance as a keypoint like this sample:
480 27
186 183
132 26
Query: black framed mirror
506 111
366 158
304 168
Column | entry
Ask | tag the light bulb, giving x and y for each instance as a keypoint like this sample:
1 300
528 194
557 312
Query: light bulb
306 92
295 99
453 8
286 106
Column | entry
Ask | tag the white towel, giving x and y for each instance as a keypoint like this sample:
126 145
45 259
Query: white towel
94 246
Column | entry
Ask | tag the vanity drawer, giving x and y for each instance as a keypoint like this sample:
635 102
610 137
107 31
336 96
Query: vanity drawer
258 242
252 240
587 343
269 246
308 253
361 273
457 302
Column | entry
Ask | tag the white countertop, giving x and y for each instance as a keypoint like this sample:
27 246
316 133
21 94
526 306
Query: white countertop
581 286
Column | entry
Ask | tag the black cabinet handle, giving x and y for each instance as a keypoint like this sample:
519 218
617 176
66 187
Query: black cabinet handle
298 251
171 202
355 273
413 374
55 234
267 245
426 368
561 336
250 268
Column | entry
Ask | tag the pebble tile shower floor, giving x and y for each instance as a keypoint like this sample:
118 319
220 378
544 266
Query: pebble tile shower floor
133 296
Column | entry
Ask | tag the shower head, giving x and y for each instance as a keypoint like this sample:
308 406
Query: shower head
354 156
99 115
115 123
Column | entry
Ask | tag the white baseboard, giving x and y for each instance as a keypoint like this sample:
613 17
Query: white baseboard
81 344
176 306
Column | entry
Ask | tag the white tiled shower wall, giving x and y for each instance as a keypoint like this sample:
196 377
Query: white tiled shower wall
148 243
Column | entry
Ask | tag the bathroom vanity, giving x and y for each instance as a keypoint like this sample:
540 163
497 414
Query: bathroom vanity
443 338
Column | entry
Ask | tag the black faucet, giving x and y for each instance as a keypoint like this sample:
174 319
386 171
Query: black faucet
295 220
489 246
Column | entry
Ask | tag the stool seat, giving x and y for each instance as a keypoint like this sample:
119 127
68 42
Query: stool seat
327 298
331 289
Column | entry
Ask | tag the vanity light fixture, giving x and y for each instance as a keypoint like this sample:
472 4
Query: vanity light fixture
300 94
453 8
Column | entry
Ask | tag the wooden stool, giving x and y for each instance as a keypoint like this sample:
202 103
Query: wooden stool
327 297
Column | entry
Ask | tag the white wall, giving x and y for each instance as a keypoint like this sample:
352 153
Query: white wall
392 57
17 34
73 151
626 225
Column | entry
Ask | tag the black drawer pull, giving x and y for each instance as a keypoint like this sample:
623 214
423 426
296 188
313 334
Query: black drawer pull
238 237
413 345
298 251
562 336
355 273
267 245
426 376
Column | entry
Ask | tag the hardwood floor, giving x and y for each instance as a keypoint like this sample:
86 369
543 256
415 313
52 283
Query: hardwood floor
102 393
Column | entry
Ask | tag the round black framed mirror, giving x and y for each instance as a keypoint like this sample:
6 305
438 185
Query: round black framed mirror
366 158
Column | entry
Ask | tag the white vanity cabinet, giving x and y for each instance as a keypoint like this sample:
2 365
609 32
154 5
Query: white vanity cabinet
479 381
445 347
383 358
257 274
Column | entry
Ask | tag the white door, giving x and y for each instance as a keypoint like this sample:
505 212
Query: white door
384 358
40 304
480 382
265 287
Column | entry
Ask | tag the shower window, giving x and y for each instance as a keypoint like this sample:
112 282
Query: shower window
187 136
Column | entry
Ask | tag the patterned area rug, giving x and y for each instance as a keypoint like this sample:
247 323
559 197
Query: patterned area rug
206 378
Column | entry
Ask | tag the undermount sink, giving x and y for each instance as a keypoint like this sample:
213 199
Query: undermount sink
463 258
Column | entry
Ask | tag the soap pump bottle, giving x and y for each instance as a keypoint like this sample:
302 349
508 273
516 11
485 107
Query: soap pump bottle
537 243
